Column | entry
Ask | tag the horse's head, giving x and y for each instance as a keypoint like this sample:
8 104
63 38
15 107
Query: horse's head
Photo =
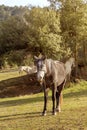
41 68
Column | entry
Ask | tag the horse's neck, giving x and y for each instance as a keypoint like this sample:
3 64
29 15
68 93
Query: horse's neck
68 66
70 62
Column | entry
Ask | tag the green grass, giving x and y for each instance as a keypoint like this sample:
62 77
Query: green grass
11 74
24 112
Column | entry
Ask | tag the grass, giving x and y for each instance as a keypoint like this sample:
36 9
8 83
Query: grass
12 74
24 112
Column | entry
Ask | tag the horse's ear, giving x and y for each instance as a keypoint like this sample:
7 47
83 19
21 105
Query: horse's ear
35 58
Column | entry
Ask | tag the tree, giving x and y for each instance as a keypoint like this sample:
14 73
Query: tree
44 31
11 36
73 23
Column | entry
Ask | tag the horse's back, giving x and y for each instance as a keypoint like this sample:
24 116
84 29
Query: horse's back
58 72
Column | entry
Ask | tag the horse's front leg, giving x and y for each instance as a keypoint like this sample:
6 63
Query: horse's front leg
54 99
45 99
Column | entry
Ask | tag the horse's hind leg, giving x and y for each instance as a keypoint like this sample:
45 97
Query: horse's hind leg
58 101
59 97
54 99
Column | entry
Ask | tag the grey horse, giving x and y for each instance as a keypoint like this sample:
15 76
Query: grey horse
69 65
51 74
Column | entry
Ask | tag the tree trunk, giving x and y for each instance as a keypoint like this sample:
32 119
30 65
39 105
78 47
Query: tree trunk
76 60
85 60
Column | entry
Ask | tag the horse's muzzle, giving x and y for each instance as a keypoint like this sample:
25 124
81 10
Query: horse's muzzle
40 81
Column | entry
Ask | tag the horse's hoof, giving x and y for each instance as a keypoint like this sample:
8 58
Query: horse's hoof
54 113
44 114
58 110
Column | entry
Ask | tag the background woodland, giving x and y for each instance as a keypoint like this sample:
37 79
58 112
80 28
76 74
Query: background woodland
58 31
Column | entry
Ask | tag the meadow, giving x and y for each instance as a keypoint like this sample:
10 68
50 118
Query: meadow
24 112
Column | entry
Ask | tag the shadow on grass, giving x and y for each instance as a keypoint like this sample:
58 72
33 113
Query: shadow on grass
20 116
30 100
21 101
76 94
